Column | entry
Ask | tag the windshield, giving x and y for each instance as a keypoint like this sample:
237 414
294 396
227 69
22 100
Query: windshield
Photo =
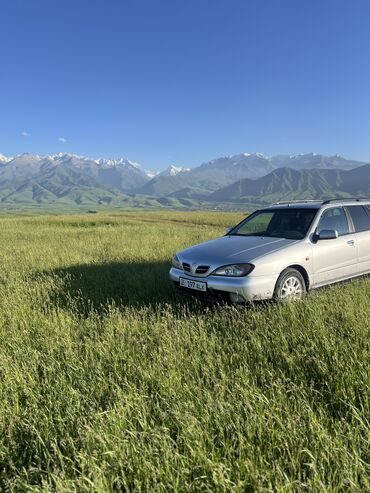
287 223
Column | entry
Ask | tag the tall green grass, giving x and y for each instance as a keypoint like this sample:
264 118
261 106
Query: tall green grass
109 382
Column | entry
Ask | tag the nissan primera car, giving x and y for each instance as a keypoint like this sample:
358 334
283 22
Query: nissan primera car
279 252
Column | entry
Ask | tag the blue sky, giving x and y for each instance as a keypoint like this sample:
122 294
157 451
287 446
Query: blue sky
185 81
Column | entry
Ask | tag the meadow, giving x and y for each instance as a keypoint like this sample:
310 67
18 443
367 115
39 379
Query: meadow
109 382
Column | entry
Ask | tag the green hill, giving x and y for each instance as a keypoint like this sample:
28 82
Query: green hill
289 184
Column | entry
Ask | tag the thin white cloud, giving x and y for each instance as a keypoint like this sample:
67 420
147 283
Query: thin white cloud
25 134
62 140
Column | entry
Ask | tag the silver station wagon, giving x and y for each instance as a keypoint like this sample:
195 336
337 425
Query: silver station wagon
279 252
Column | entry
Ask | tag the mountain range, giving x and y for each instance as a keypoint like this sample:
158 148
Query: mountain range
209 177
291 184
70 180
121 173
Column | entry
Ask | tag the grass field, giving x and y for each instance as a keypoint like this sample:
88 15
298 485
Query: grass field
109 382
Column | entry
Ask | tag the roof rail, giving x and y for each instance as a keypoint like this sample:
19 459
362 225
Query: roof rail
303 201
349 199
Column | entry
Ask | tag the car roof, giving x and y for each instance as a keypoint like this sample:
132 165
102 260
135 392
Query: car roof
317 204
296 205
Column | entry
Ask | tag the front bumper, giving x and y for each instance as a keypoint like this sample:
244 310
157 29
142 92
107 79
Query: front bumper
248 288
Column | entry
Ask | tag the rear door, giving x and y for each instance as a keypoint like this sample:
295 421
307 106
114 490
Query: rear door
360 216
335 259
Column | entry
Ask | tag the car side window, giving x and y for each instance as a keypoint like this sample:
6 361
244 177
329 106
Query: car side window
334 218
359 217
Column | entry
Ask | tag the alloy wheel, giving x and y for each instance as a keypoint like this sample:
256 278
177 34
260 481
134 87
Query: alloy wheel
291 288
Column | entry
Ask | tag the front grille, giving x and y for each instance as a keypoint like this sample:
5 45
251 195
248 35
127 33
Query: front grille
202 269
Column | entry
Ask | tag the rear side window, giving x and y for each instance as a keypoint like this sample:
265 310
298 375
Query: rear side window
360 218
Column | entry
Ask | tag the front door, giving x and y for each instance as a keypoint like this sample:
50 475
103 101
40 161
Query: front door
335 259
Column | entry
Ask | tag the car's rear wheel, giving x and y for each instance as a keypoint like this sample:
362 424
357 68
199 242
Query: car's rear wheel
290 286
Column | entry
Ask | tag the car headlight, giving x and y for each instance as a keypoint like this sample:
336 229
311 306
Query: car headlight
176 262
234 270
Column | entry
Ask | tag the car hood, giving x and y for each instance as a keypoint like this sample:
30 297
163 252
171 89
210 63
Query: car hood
232 250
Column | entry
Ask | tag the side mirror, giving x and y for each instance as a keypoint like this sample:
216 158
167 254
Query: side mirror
327 234
228 229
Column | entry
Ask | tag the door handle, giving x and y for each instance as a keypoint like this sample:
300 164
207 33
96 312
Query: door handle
350 242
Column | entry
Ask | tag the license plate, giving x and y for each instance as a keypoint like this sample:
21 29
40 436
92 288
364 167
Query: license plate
196 285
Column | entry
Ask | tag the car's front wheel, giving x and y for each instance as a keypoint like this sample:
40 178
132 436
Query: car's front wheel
290 286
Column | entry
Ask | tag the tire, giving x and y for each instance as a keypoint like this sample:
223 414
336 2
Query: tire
290 286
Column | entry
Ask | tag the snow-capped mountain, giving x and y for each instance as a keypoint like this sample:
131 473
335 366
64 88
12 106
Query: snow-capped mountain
118 162
151 174
108 164
4 159
312 160
25 159
101 162
174 170
120 173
